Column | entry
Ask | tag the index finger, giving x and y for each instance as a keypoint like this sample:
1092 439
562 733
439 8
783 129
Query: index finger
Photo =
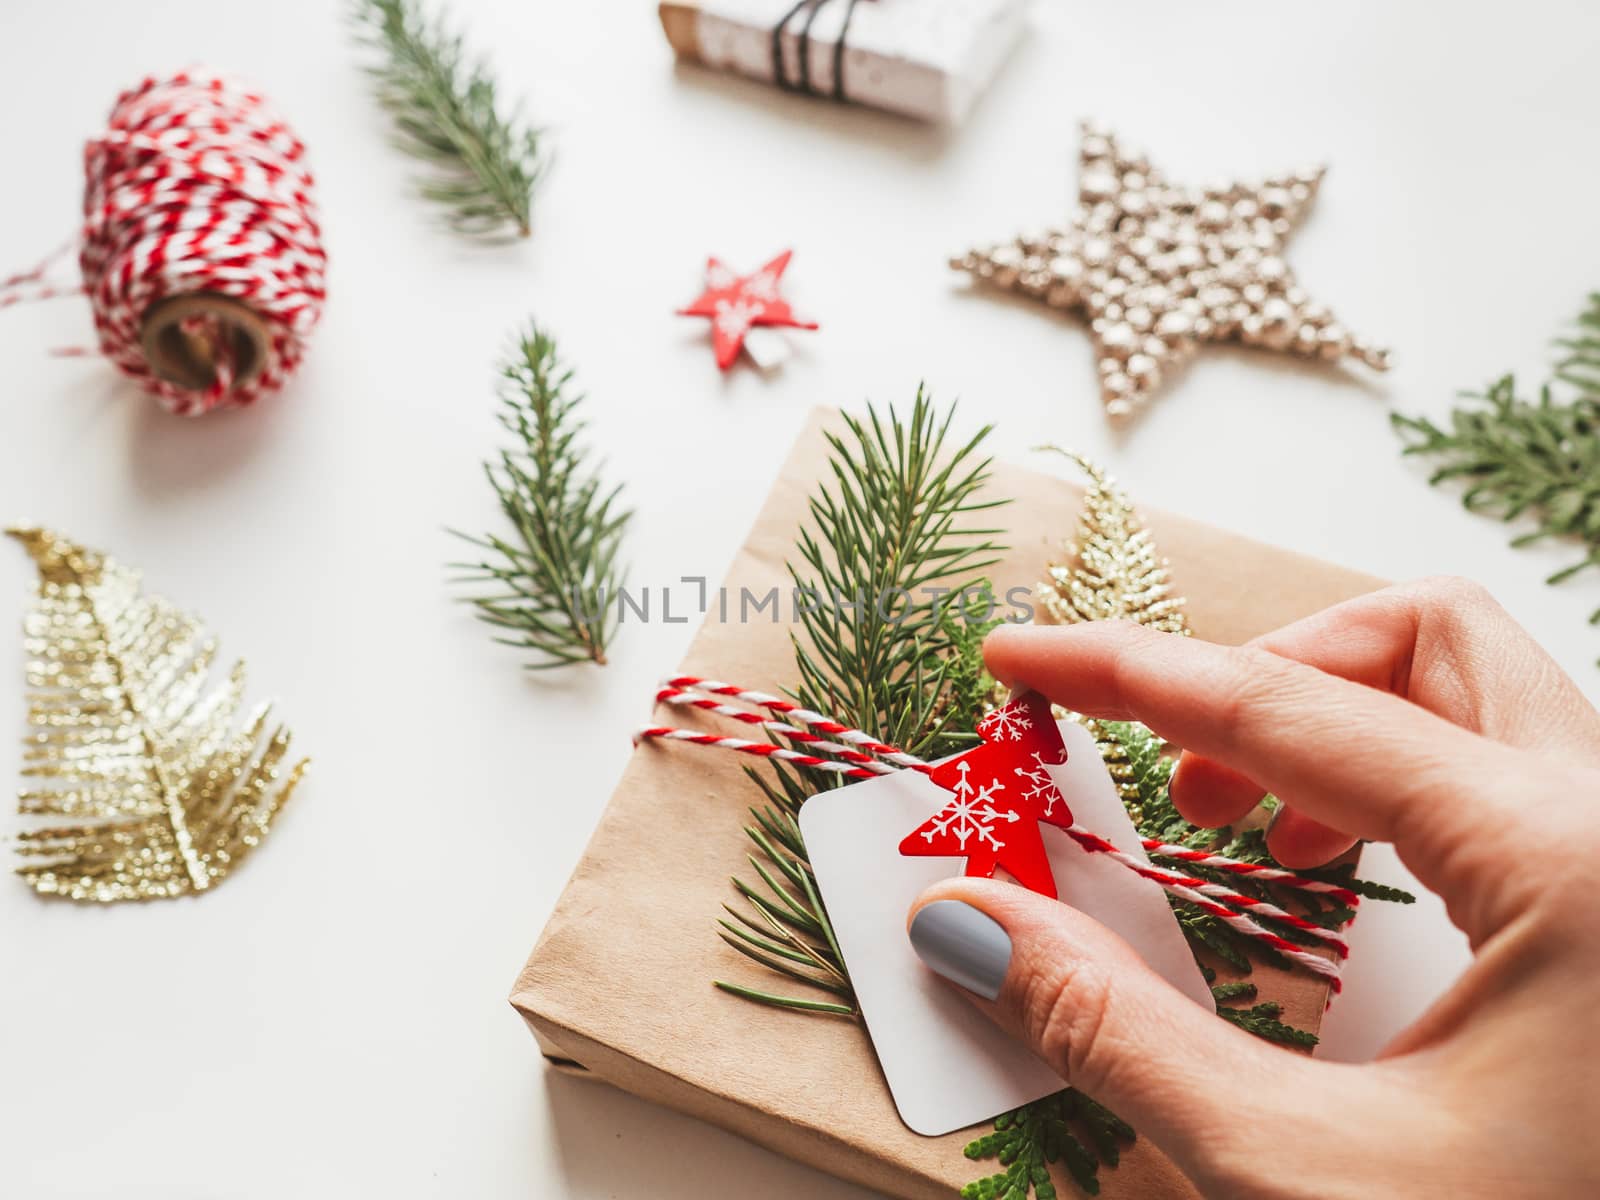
1365 762
1443 644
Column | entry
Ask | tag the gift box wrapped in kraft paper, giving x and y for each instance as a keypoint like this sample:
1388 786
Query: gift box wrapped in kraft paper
929 59
620 984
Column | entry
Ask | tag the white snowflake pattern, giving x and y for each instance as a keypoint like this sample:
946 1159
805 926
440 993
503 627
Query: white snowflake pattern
1007 723
763 285
971 814
1038 785
734 317
719 276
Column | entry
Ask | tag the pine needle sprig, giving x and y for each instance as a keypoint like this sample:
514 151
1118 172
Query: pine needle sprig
896 522
447 112
895 518
786 928
776 834
1535 459
556 575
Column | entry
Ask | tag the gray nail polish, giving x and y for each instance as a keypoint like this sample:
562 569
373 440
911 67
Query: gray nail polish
966 946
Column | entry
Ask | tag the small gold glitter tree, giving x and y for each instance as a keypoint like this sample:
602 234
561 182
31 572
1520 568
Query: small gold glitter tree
1112 571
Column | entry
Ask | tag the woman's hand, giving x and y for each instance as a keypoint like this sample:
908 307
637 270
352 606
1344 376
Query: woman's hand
1420 715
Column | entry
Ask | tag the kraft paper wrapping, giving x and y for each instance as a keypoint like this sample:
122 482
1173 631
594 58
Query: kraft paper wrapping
619 985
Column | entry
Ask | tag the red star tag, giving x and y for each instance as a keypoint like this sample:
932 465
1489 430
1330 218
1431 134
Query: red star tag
737 303
1001 791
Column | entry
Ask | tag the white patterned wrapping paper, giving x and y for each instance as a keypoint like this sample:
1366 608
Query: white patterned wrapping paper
929 59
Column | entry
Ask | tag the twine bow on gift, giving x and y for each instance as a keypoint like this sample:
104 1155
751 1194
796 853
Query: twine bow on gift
828 745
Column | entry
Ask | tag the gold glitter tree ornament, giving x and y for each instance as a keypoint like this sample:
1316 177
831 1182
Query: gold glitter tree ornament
165 797
1159 269
1112 572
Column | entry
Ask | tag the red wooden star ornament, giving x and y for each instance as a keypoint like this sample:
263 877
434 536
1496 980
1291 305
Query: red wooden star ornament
737 303
1001 791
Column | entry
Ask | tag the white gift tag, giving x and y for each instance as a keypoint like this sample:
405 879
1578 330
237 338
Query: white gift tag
948 1066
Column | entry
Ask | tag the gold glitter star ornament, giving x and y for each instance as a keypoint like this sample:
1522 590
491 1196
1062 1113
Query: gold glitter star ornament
1159 269
162 794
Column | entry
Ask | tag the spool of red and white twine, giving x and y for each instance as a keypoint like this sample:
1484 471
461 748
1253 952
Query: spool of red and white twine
200 249
856 754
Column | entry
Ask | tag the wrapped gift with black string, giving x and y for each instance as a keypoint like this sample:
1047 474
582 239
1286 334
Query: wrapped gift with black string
929 59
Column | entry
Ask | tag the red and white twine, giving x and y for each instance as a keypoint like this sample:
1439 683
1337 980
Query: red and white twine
858 755
195 187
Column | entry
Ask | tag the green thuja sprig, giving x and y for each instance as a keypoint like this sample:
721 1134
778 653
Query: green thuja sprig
1028 1139
447 111
1580 365
555 575
1226 993
1155 816
898 515
1262 1020
1535 459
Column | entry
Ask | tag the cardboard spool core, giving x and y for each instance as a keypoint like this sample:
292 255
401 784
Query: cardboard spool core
188 358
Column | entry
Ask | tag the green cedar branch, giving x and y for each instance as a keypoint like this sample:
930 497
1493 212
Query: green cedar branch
1262 1020
1534 459
1028 1139
555 576
447 112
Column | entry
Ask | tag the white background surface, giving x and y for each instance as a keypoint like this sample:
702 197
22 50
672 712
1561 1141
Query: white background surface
334 1017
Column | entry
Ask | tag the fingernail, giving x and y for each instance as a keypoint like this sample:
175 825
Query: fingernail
966 946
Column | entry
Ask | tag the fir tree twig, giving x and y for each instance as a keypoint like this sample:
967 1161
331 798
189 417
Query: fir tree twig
895 519
1536 459
447 112
556 575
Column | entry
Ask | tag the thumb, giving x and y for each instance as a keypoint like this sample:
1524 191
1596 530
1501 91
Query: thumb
1086 1003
